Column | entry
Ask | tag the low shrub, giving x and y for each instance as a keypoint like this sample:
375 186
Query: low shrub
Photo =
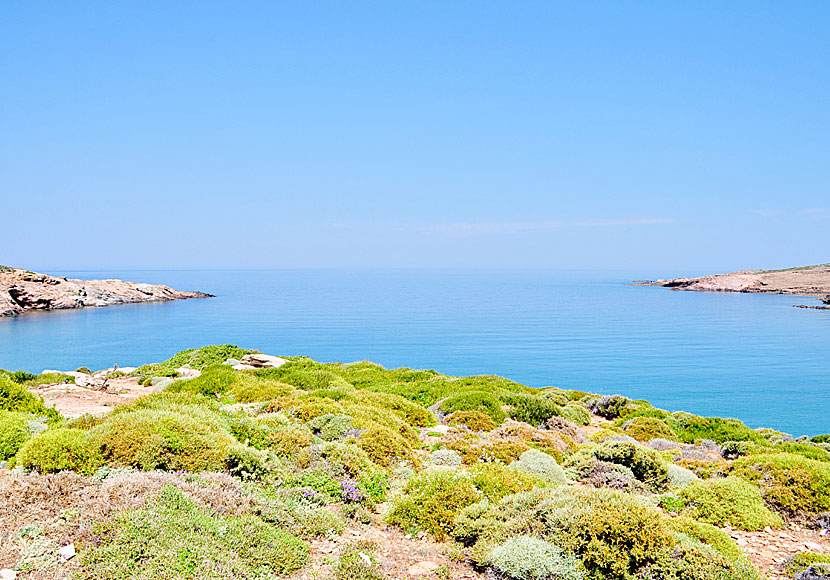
172 537
430 501
647 428
445 457
14 397
709 535
680 477
14 431
576 413
610 407
357 562
804 560
198 358
526 558
289 439
532 409
346 459
385 446
149 439
691 428
60 450
790 483
731 500
495 480
472 420
330 427
487 403
644 463
540 464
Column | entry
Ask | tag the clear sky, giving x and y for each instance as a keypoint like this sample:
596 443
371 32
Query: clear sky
660 135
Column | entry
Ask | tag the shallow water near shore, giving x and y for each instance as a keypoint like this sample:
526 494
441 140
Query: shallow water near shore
748 356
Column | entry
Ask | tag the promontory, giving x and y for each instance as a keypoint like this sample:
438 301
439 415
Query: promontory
804 281
23 291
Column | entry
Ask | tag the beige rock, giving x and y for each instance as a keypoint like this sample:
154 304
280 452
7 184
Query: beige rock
257 359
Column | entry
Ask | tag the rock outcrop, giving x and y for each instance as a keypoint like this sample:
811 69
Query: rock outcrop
23 291
808 281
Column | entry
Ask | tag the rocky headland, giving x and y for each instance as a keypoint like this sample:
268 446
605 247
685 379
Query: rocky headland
23 291
806 281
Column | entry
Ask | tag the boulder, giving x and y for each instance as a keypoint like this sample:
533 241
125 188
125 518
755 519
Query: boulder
260 360
90 382
242 367
816 572
232 362
67 552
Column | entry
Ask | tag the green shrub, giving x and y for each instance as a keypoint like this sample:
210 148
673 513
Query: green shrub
526 558
495 480
531 409
576 413
731 500
611 407
199 358
374 485
487 403
14 397
149 439
330 427
648 428
21 377
540 464
289 440
807 450
58 450
431 500
14 431
804 560
357 562
735 449
680 477
710 535
472 420
690 428
825 438
790 483
384 446
172 537
412 413
644 463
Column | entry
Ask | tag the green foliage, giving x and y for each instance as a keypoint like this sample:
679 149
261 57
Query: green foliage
385 446
644 463
495 480
14 397
648 428
239 387
611 407
576 413
526 558
821 438
731 500
374 485
531 409
14 431
804 560
690 428
330 427
487 403
172 537
431 500
473 420
540 464
21 377
708 534
357 562
199 358
58 450
808 450
790 483
174 436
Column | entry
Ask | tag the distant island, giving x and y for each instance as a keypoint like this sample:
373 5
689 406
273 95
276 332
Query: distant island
23 291
803 281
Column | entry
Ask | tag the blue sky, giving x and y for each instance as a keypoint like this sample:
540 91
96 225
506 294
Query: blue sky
625 135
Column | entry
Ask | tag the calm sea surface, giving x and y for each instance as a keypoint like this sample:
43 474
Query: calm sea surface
737 355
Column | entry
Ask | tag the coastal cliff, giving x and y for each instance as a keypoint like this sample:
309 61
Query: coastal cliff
807 281
22 291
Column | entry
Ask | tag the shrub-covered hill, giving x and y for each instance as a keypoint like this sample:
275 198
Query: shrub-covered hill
247 473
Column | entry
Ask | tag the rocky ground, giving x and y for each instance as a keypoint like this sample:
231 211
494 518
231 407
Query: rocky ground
810 281
23 291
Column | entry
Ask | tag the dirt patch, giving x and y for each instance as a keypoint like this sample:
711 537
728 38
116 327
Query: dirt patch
770 550
74 401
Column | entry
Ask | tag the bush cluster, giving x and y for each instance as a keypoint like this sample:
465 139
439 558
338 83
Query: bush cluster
730 500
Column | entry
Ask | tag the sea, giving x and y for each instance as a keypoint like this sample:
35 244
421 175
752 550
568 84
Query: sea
748 356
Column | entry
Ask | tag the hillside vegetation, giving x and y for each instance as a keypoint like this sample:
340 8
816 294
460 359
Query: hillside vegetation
232 474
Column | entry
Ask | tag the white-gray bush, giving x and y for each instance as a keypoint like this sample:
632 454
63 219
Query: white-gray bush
680 476
526 558
445 457
535 462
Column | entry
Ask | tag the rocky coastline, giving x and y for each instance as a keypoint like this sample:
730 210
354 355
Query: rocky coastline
22 291
807 281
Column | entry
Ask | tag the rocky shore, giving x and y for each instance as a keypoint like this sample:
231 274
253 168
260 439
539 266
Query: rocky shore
22 291
807 281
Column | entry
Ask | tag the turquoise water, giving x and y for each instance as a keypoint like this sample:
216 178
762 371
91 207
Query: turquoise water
740 355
